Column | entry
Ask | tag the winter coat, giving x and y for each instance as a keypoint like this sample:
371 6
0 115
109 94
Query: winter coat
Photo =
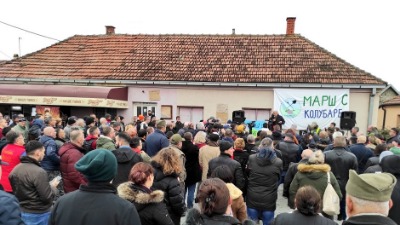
126 159
96 203
289 152
150 206
341 162
251 148
363 154
264 175
35 131
322 143
3 143
242 157
22 130
31 186
314 175
59 142
237 172
173 198
69 155
238 205
289 177
192 165
10 157
373 169
105 143
298 218
182 161
155 142
206 153
372 161
51 160
369 220
391 164
90 143
10 213
195 218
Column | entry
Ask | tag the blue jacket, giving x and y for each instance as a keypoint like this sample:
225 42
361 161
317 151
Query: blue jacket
155 142
363 154
10 212
51 160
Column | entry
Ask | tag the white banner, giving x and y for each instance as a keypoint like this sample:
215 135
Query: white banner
304 106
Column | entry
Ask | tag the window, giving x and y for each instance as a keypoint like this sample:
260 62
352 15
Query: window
256 114
141 108
191 114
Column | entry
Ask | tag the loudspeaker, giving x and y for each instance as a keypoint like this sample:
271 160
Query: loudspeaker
347 120
238 116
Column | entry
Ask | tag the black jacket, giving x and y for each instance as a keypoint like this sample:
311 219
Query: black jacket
195 218
300 219
264 175
372 161
391 164
341 161
96 203
291 172
192 165
173 198
126 159
225 159
150 205
369 220
251 148
10 213
289 152
31 186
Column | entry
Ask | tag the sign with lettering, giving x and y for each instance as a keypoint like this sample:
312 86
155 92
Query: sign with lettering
64 101
304 106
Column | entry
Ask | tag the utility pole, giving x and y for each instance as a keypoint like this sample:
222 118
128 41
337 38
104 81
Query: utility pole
19 46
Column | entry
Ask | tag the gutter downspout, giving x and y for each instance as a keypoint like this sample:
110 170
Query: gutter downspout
371 106
384 117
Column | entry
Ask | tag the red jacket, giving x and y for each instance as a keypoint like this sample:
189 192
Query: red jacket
93 144
69 155
10 157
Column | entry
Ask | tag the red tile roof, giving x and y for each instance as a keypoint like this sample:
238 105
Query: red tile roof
393 101
196 58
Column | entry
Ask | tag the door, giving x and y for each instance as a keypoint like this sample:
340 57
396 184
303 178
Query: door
141 108
191 114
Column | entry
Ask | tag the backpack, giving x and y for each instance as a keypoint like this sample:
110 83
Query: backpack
330 200
87 145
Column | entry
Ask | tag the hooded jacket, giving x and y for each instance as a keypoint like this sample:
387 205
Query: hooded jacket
264 174
51 160
314 175
238 205
126 159
10 213
105 143
69 155
150 206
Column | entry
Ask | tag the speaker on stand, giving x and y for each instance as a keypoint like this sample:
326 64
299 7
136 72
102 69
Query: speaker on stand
347 120
238 116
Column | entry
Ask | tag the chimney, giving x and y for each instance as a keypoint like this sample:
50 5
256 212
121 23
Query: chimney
110 30
233 31
290 25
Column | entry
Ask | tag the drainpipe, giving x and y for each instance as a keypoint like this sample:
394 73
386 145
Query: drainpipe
371 106
384 117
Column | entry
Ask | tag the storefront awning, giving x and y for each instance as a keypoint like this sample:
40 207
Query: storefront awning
64 95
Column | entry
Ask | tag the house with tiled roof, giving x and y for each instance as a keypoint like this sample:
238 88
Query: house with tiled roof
389 113
195 77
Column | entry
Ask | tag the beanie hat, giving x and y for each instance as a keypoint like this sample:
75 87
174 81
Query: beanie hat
98 165
176 139
224 145
375 187
141 118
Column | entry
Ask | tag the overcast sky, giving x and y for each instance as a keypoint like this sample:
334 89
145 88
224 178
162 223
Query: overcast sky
363 33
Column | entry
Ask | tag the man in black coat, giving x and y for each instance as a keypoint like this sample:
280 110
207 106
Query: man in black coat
225 158
126 158
368 198
341 161
289 151
98 202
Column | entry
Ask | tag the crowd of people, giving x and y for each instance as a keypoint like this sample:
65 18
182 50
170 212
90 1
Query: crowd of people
147 171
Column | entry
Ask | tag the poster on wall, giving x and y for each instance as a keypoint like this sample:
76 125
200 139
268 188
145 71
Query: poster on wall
53 111
304 106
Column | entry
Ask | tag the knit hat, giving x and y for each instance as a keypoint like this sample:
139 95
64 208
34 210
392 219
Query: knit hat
224 145
98 165
376 187
176 139
141 117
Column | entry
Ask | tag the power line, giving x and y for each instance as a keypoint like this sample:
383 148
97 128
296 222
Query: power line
29 31
5 54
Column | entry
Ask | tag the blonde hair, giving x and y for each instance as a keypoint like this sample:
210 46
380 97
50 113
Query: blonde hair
317 157
129 126
200 137
361 139
168 160
239 143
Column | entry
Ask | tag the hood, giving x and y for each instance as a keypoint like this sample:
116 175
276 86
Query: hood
391 164
234 191
39 123
309 168
103 141
43 139
123 155
126 191
68 146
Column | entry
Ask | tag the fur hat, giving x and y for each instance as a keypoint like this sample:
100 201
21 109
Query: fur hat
98 165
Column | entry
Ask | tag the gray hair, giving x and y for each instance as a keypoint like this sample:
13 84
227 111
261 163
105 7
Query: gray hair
250 139
75 134
200 126
266 142
339 142
366 206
